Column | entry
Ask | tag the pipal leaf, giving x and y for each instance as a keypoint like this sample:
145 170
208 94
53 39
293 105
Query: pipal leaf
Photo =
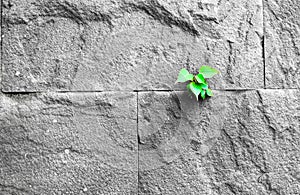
184 76
203 94
209 92
208 71
204 86
200 78
195 88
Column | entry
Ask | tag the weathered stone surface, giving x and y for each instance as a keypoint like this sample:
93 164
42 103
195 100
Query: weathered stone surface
1 51
172 128
238 142
253 147
117 45
68 143
282 43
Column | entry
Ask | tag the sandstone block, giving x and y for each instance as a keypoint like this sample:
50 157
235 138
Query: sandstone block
68 143
129 45
243 142
282 44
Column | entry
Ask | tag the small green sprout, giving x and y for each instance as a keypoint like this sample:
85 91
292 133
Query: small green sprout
198 85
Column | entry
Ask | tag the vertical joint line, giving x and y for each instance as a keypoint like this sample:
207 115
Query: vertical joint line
263 42
264 58
1 44
138 140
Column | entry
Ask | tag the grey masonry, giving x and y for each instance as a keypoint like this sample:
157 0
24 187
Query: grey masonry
64 143
88 103
91 45
282 20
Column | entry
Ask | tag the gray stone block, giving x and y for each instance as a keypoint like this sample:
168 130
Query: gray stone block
282 43
243 142
1 51
68 143
174 133
129 45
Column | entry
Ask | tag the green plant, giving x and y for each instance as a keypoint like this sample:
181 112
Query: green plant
198 84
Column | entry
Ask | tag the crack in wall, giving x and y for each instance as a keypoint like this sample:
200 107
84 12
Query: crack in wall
160 13
266 117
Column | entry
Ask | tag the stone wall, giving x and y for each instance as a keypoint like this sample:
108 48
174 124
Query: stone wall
88 103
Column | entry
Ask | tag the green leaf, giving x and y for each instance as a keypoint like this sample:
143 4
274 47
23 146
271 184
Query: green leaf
203 94
195 88
208 71
204 86
184 76
209 92
200 78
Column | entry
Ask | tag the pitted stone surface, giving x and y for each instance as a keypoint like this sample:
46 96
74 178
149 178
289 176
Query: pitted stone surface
243 141
68 143
168 125
128 45
282 43
257 149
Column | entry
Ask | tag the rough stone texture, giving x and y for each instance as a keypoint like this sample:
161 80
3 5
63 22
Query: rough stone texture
0 50
253 147
101 45
68 144
282 43
142 137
